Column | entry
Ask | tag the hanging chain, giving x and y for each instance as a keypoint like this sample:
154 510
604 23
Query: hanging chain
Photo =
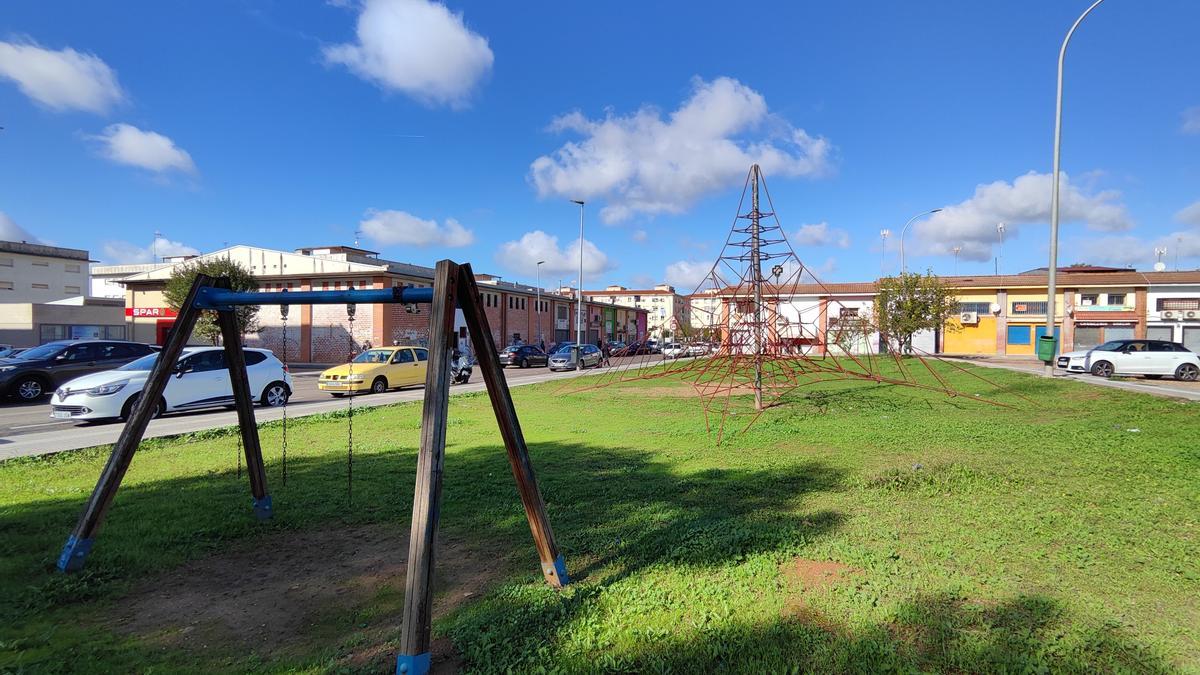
239 456
283 313
350 311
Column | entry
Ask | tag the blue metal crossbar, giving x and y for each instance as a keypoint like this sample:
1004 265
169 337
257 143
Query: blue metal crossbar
210 297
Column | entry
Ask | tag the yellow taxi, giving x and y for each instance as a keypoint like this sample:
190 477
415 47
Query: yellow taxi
377 370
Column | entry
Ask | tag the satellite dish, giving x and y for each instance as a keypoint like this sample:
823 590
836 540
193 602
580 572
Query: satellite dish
1160 266
995 307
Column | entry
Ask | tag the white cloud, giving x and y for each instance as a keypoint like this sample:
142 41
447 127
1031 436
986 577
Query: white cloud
416 47
640 235
1130 250
60 80
972 222
123 252
821 234
127 144
687 275
521 256
400 227
10 231
643 163
1191 120
1189 215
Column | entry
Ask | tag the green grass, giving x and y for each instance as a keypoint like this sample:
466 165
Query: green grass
1042 537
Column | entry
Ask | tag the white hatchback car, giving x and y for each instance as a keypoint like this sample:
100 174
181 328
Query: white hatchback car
1152 358
672 350
200 380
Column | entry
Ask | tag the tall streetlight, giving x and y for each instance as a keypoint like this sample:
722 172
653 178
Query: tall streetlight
537 308
579 307
1052 271
904 269
883 235
957 250
1000 232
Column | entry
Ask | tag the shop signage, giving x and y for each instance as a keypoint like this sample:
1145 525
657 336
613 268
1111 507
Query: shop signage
155 312
1099 324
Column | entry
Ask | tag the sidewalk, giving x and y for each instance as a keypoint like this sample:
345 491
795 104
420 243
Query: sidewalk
1023 364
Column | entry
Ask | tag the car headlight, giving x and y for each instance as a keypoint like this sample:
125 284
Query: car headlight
106 389
356 378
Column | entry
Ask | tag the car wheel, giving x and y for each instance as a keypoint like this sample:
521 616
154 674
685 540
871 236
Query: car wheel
275 395
127 409
336 394
1102 369
1188 372
29 389
379 386
524 363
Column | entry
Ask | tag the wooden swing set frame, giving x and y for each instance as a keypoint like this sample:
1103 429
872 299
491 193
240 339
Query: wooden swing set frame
453 286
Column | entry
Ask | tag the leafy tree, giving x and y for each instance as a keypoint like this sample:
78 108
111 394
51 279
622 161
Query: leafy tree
240 279
910 303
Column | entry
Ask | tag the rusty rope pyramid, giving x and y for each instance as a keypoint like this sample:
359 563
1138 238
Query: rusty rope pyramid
746 345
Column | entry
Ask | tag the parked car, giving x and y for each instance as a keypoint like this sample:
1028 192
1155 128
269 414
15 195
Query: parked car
1151 358
672 350
37 371
377 370
640 348
200 379
564 358
698 349
523 356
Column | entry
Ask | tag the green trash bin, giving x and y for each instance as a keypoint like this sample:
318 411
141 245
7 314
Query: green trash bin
1046 347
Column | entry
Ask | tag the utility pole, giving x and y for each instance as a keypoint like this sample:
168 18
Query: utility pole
538 306
1000 230
154 246
883 235
579 307
957 250
756 276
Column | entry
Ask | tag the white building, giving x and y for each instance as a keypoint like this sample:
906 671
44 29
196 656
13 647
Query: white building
1173 308
665 309
35 273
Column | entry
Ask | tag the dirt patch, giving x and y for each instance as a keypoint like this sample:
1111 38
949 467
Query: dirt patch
339 589
805 578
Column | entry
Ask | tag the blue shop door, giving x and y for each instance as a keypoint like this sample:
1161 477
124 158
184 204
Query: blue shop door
1041 330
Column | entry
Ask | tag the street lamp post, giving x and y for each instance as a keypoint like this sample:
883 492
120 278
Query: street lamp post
957 250
537 308
904 269
579 307
1000 253
883 235
1052 271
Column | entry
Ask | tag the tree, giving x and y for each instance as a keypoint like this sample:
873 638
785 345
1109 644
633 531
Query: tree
910 303
240 279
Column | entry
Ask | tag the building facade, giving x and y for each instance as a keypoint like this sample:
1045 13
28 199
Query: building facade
666 310
35 273
325 333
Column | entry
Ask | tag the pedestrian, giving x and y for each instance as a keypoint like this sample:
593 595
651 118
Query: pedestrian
605 352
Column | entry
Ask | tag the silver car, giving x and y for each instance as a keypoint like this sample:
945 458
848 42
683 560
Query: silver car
563 358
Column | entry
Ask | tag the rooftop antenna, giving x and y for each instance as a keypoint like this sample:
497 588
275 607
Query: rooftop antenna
154 246
356 234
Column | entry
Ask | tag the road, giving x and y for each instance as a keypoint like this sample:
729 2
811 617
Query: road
27 430
1167 387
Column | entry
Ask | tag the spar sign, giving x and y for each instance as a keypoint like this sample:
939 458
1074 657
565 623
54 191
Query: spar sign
151 312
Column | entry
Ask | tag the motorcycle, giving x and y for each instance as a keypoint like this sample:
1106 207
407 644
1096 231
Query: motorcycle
461 367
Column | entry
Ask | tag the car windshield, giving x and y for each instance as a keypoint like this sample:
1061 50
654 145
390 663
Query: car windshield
144 363
374 356
512 349
564 349
1111 346
38 353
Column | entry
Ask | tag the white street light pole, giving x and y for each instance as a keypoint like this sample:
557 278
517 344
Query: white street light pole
904 269
579 307
537 308
1052 271
957 250
1000 230
883 235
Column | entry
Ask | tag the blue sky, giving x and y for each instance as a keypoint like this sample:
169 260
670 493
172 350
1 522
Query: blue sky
462 130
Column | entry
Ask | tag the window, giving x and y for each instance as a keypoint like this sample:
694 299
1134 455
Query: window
1160 346
207 361
324 285
85 352
72 267
50 332
403 356
1166 333
255 358
40 287
1178 303
977 307
1116 298
1087 299
422 354
116 333
6 285
40 263
1029 307
1019 335
72 290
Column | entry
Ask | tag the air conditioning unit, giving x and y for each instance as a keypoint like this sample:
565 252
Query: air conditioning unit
1169 314
968 317
1191 314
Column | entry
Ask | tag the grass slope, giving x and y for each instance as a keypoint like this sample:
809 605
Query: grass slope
1056 535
